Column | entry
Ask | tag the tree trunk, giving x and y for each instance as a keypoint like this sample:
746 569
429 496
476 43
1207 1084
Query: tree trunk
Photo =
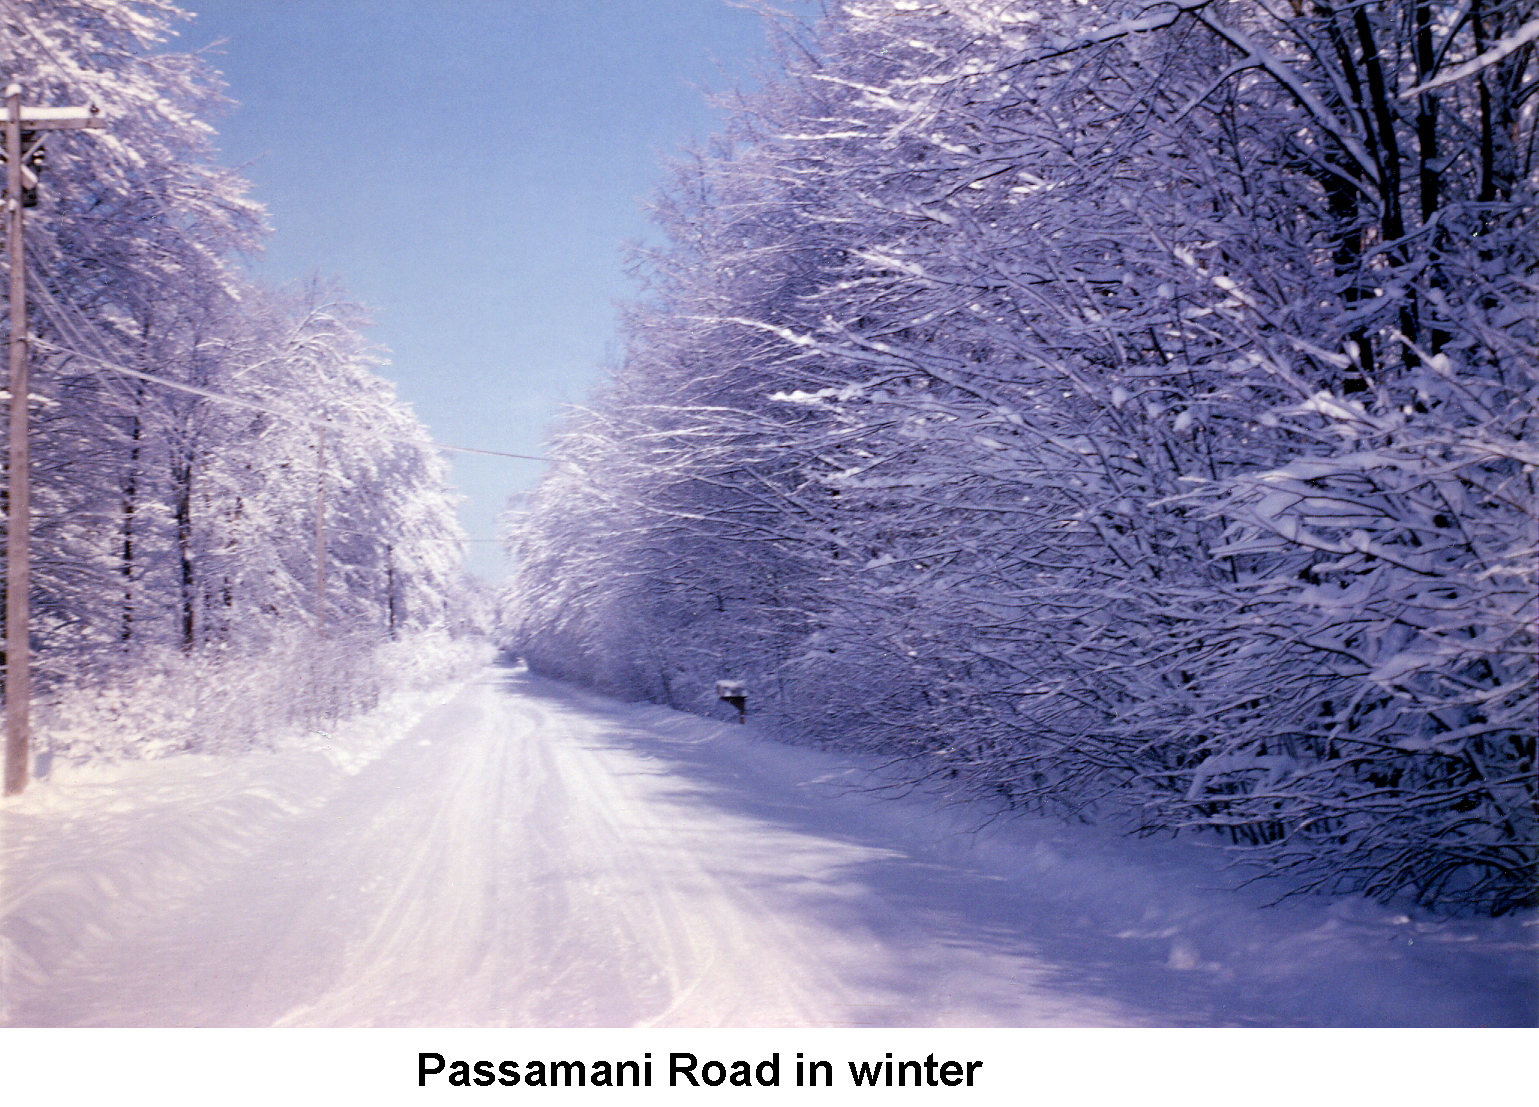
182 478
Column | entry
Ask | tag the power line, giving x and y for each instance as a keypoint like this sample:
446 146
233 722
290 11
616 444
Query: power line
59 316
253 406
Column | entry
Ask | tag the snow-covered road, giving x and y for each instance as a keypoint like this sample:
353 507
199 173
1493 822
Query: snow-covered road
531 856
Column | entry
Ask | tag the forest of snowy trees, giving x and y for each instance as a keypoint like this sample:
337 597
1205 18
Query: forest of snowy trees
188 426
1099 409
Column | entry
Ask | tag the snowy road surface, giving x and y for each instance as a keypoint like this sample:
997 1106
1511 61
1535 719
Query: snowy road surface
531 856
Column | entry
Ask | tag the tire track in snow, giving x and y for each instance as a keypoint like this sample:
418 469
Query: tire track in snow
524 859
587 905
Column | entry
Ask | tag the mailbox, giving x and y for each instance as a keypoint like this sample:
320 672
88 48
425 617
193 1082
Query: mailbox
735 693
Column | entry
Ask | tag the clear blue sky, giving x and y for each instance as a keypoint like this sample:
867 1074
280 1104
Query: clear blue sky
470 170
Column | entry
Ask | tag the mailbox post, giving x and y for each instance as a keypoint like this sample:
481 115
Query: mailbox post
735 693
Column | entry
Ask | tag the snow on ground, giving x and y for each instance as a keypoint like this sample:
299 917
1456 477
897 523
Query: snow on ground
530 855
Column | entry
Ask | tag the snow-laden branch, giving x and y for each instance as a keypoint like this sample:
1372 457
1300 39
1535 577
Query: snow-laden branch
1504 47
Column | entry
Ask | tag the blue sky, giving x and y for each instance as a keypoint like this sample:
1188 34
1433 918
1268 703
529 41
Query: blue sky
471 170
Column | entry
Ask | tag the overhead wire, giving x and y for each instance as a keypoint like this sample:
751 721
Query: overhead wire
79 332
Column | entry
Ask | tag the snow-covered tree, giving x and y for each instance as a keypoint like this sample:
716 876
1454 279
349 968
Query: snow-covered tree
1132 406
199 442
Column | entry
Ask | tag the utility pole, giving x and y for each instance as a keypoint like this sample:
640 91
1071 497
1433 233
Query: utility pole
23 143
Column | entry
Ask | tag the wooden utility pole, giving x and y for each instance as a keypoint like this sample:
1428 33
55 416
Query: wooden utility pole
22 142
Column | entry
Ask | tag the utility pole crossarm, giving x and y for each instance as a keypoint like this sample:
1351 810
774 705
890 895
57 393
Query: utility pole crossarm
62 119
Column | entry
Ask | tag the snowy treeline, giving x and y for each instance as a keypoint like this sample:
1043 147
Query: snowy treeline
1099 407
175 528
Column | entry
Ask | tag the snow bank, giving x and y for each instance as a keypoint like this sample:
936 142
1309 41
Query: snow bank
99 844
231 701
1161 925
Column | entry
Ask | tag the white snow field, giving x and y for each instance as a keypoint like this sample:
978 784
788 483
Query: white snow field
530 855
